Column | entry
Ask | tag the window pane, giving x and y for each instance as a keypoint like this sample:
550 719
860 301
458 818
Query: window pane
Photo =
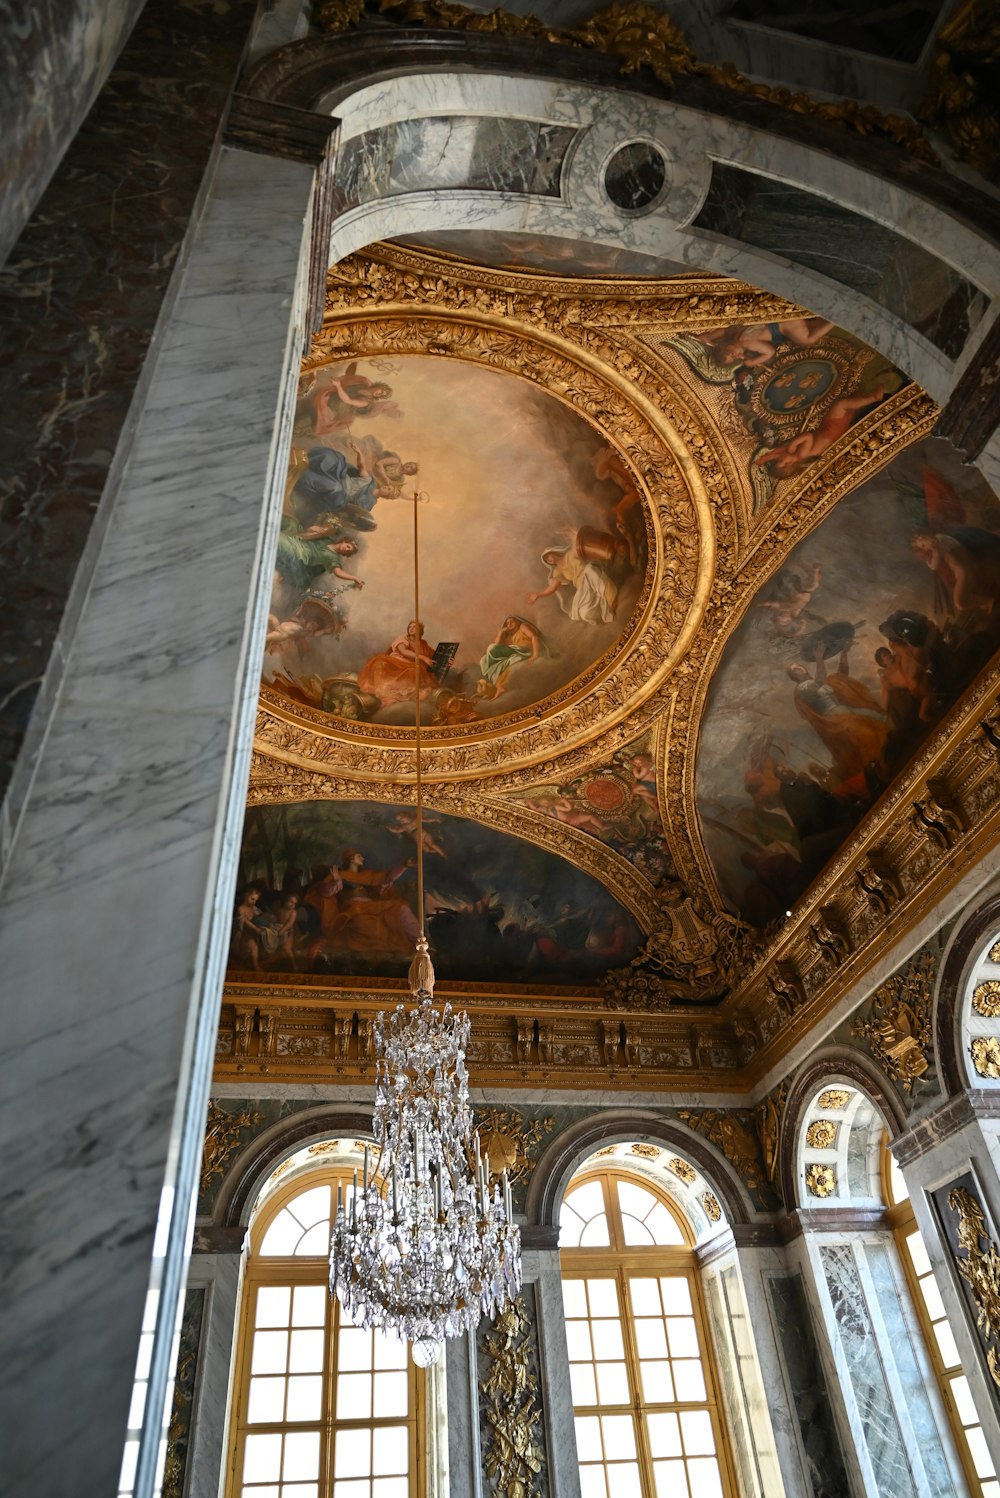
595 1234
267 1401
946 1345
390 1487
607 1337
657 1383
964 1402
645 1297
316 1243
612 1384
305 1398
582 1387
306 1354
635 1199
689 1382
587 1200
282 1236
352 1453
588 1438
571 1225
671 1480
301 1456
392 1450
636 1233
664 1435
354 1349
918 1253
676 1294
981 1458
703 1474
309 1305
603 1297
619 1436
664 1226
932 1297
270 1350
354 1396
391 1395
388 1352
696 1430
651 1338
624 1479
592 1484
311 1206
574 1298
272 1305
262 1458
682 1336
578 1341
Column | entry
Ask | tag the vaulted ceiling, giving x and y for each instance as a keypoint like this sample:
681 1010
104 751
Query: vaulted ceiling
707 615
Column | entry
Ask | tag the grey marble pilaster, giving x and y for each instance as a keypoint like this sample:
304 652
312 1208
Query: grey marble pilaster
117 894
541 1267
464 1456
219 1276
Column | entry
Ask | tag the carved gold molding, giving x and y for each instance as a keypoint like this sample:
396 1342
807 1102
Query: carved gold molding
223 1132
513 1454
642 37
980 1268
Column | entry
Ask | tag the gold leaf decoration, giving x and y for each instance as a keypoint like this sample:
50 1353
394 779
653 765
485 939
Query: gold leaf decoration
986 998
897 1026
646 1151
833 1099
683 1170
643 37
995 952
513 1455
507 1141
821 1180
980 1269
822 1135
223 1132
986 1056
712 1209
961 96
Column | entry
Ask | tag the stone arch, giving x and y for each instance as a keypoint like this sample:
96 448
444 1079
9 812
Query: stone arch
833 1065
957 978
571 1147
248 1172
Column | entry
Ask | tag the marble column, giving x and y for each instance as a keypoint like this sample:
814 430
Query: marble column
117 894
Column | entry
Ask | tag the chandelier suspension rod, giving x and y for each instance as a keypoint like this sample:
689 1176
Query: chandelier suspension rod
416 707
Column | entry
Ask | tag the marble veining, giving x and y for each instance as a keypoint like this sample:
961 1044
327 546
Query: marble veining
901 275
879 1425
483 155
817 1432
912 1375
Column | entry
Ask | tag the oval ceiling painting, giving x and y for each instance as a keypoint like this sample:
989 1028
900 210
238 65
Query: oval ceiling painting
841 668
330 887
532 544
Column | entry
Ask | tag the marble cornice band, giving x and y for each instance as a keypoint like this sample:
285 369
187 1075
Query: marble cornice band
949 1119
330 68
211 1239
829 1220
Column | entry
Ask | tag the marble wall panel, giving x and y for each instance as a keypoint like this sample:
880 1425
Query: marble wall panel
733 1343
481 155
910 1370
879 1425
57 54
961 1253
817 1432
79 301
855 250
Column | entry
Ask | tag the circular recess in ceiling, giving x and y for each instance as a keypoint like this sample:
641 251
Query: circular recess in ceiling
635 176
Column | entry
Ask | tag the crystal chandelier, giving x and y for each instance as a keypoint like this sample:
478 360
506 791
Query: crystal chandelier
427 1245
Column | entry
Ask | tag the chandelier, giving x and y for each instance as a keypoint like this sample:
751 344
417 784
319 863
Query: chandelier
428 1244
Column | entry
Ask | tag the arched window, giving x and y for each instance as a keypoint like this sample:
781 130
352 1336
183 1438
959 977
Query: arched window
954 1385
321 1407
648 1423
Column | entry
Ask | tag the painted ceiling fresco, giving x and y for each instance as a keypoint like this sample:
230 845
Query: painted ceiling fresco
841 667
330 887
544 252
784 391
705 610
532 544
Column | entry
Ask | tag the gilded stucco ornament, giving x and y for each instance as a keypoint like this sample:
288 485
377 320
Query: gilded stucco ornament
897 1026
711 1204
687 957
509 1142
822 1134
646 1151
683 1170
985 1051
821 1180
734 1132
834 1099
223 1133
960 100
980 1268
642 37
513 1456
986 998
